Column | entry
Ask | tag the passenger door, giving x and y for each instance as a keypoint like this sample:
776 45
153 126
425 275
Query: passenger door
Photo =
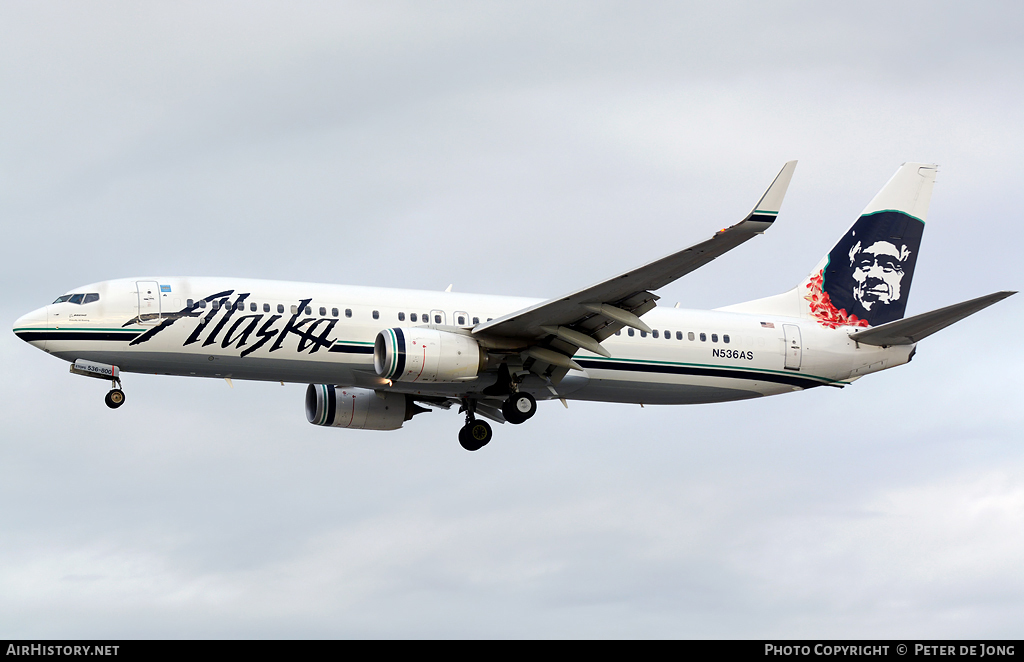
149 301
794 346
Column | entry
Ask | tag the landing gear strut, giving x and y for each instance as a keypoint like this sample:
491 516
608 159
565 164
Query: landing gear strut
475 434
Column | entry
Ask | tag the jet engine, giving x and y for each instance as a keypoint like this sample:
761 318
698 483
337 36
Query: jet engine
426 355
358 408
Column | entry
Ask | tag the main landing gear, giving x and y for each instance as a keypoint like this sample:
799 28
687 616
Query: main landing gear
476 433
519 407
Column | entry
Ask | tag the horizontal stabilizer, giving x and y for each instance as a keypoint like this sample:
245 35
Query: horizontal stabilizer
912 329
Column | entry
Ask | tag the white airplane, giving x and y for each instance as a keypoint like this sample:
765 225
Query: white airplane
373 356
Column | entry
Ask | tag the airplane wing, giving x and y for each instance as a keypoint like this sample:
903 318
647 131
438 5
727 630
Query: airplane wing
588 316
602 309
912 329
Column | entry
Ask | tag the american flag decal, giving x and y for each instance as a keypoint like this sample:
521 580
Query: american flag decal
768 325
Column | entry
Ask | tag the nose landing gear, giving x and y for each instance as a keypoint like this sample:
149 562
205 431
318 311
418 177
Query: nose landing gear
115 397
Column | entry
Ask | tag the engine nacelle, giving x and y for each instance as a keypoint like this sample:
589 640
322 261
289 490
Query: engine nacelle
357 408
426 355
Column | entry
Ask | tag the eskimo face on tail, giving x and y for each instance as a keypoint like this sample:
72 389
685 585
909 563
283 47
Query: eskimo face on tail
877 272
870 269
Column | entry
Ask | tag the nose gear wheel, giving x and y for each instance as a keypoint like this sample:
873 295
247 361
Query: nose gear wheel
114 398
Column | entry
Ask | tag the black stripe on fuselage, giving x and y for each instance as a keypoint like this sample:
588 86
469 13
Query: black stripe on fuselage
802 382
29 336
352 349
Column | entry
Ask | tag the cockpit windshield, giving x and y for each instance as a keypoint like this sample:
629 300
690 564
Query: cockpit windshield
78 298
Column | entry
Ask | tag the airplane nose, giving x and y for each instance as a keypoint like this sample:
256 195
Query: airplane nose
27 327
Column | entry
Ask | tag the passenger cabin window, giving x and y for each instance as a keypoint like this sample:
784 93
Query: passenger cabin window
668 335
280 307
643 334
476 320
376 315
690 335
239 305
703 338
412 317
348 312
654 333
189 303
461 320
401 317
679 335
619 332
725 338
295 310
309 311
202 304
216 305
630 331
334 312
323 311
714 337
437 319
266 307
252 307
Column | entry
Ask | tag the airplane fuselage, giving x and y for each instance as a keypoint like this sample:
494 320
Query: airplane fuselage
324 334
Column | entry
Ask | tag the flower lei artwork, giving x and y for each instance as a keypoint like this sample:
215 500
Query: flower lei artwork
822 308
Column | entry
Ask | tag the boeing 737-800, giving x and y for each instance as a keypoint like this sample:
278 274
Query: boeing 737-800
374 357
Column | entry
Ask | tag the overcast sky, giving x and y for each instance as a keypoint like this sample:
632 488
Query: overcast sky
526 149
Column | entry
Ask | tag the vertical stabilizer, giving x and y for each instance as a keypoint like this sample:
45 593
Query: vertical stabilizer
865 279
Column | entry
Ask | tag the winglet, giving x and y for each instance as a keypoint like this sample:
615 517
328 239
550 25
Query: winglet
767 208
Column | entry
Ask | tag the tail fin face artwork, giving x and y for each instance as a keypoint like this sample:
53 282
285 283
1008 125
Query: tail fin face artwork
865 280
501 355
870 270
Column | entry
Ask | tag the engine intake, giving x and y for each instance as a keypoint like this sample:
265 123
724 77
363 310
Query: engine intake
426 355
358 408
